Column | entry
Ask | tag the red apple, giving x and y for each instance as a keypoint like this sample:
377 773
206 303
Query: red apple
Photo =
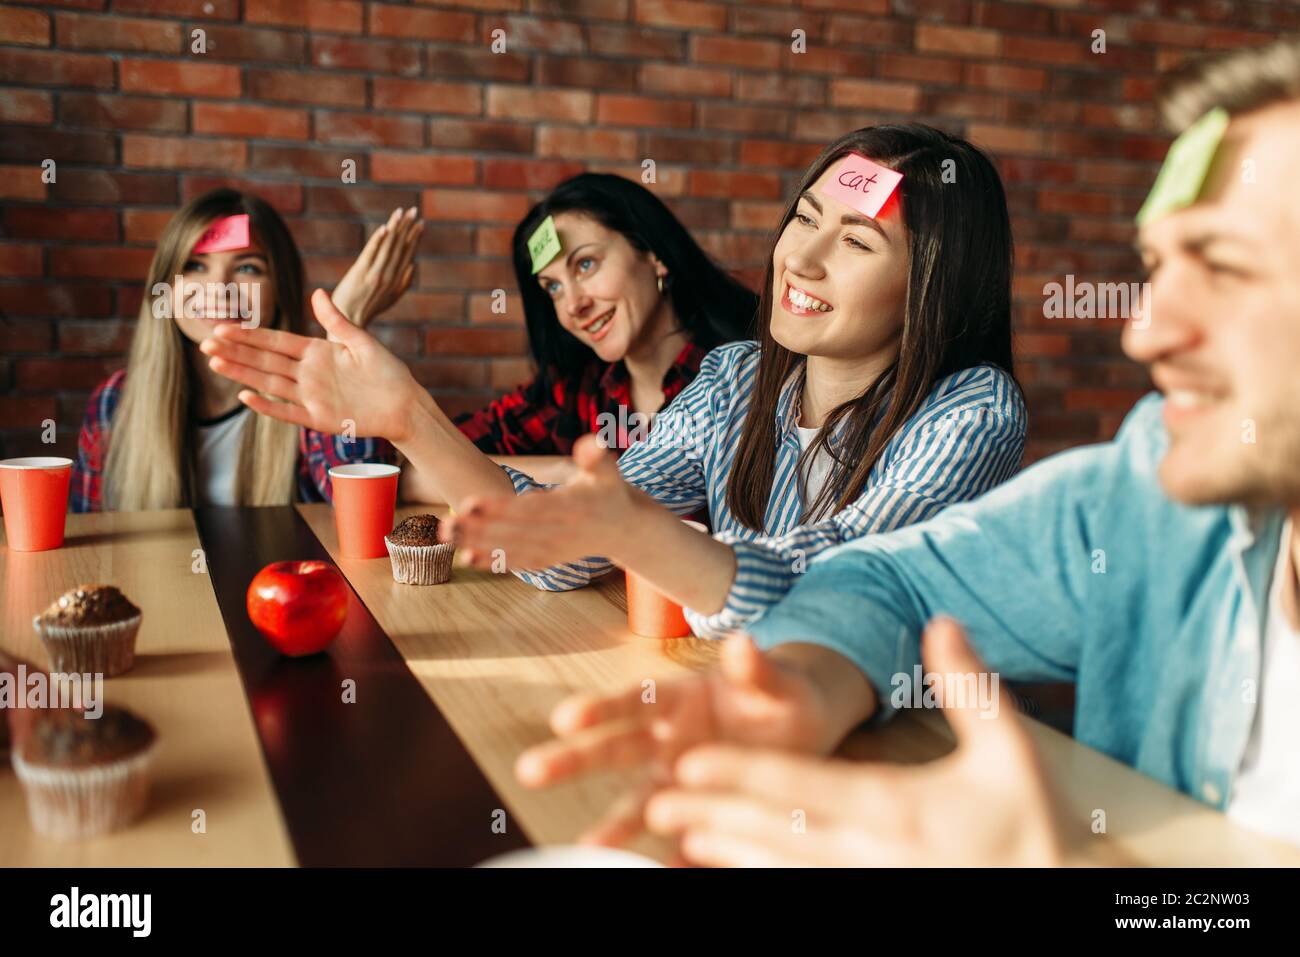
298 606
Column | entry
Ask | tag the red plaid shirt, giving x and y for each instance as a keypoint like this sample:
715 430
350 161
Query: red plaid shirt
317 453
537 420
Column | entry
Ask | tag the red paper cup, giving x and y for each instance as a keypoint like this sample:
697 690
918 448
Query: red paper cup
34 492
365 496
649 612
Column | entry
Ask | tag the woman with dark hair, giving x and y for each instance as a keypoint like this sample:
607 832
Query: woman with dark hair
880 391
618 320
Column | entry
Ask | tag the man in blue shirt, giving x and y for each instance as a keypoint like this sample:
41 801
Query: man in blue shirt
1157 572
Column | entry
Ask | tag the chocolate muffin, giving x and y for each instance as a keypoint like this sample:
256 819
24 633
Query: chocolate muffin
417 555
90 629
85 776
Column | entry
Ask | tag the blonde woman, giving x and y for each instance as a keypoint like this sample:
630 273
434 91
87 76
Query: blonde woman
166 431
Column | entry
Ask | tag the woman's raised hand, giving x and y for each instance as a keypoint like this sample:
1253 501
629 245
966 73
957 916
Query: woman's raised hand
383 272
349 380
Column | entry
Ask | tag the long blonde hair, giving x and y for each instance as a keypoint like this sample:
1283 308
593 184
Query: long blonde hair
151 450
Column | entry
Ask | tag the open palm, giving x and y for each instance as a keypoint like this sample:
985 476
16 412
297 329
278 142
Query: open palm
989 802
350 380
749 699
584 516
384 270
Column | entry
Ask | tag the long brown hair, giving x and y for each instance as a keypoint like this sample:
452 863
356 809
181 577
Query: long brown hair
957 312
151 451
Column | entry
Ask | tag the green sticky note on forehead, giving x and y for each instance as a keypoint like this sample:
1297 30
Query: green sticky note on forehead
1188 161
543 244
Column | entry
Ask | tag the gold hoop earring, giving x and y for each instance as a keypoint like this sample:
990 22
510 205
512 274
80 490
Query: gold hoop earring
660 282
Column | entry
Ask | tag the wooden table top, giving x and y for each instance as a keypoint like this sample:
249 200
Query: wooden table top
184 682
493 655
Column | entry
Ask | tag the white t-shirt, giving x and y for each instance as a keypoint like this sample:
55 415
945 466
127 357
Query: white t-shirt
818 470
1266 795
218 455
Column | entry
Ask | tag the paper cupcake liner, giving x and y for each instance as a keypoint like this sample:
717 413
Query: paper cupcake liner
90 649
421 564
68 804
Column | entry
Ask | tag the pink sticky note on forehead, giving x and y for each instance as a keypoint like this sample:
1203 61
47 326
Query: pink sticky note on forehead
858 182
230 232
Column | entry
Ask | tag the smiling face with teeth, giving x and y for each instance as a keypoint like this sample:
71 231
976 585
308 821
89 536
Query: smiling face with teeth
839 280
605 291
1222 339
209 281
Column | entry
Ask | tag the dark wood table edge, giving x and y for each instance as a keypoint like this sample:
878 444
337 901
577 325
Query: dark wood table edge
381 780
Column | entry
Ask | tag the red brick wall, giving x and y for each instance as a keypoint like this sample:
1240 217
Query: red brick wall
289 89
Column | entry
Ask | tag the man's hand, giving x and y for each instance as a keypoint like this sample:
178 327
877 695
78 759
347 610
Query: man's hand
749 698
987 803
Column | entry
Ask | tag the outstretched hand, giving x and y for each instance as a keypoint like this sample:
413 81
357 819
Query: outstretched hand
750 698
986 803
583 517
348 381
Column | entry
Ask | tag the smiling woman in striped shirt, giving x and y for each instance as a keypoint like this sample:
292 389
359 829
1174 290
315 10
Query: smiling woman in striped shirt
879 392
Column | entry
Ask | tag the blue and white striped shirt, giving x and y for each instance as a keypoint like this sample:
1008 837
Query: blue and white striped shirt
967 437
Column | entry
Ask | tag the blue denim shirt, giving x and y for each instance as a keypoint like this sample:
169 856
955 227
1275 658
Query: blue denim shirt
1079 569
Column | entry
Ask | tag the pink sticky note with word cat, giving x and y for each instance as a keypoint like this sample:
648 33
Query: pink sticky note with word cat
858 182
227 233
